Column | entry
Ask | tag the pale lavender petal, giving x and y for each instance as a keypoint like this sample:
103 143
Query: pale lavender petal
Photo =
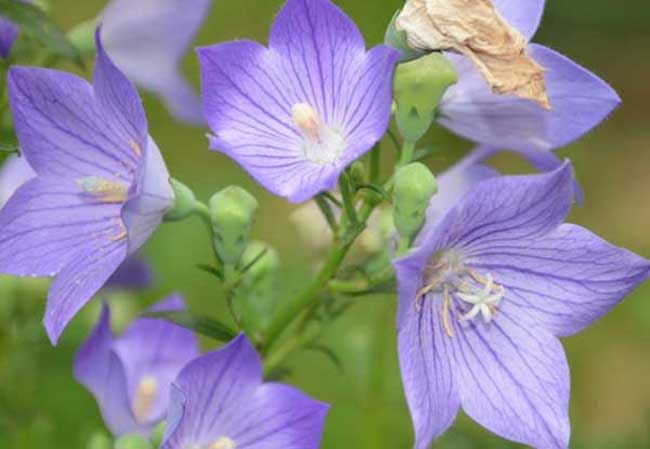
66 135
579 99
564 281
99 369
14 173
513 379
212 386
158 350
316 57
524 15
8 34
221 396
147 40
47 222
133 274
144 211
425 362
505 209
80 280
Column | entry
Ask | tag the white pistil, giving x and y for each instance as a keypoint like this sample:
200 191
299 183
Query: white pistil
483 301
144 400
223 443
322 144
106 191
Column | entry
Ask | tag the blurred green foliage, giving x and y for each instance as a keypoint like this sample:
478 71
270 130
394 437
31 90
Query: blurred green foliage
41 406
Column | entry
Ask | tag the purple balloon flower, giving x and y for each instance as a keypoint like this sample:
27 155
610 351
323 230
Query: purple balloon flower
295 114
131 376
147 40
101 188
219 401
579 99
484 298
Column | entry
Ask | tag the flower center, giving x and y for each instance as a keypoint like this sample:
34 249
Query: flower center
145 397
466 292
223 443
321 144
104 190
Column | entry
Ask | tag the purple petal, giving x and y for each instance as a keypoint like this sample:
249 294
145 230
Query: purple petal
47 222
80 280
8 34
14 173
155 349
147 39
63 132
513 379
316 57
579 99
564 281
99 369
133 274
427 372
144 211
123 110
221 395
524 15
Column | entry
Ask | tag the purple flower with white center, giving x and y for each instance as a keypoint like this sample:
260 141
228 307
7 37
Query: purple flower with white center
131 376
484 298
101 188
295 114
579 99
219 401
147 39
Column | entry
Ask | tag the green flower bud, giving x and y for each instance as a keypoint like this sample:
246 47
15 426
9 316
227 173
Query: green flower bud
232 212
419 87
82 36
397 40
257 293
414 186
357 173
132 442
184 202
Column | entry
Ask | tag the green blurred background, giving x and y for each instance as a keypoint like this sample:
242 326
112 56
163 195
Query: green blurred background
41 406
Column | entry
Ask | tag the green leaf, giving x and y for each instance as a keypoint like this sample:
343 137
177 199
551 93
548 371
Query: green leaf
200 324
33 21
9 148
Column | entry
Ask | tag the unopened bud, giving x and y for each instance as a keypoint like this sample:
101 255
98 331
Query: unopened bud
357 173
82 36
414 187
232 212
419 87
184 202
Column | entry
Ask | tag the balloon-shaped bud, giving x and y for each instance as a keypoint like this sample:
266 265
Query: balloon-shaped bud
419 87
184 202
258 291
413 189
232 211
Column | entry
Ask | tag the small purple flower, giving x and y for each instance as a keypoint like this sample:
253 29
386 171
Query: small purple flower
483 299
295 114
131 376
219 401
147 40
101 187
579 99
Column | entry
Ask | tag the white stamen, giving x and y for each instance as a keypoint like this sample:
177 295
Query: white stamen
145 397
484 301
223 443
322 143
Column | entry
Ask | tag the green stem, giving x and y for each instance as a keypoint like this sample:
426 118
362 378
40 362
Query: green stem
362 285
407 154
348 199
375 164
